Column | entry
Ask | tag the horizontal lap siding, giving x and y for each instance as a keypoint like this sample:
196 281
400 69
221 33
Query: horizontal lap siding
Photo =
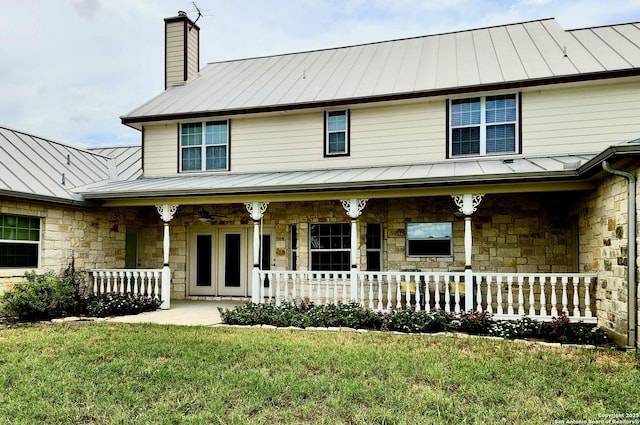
398 134
582 119
277 143
175 53
192 52
160 150
379 136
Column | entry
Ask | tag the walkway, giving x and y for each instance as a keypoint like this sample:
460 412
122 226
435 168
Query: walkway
182 312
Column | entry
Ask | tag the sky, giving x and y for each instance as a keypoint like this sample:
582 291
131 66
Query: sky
70 68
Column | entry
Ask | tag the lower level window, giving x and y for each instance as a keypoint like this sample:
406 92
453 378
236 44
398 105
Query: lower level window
429 239
374 246
19 241
330 246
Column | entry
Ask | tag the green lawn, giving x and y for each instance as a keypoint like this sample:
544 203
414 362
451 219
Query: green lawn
101 373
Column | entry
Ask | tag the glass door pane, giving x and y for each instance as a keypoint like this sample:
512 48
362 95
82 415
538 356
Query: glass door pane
232 260
203 260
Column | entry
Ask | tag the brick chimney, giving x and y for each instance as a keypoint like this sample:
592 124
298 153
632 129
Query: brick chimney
181 50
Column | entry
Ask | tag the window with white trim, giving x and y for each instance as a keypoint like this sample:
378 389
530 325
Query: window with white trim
483 125
19 241
204 146
430 239
336 133
330 246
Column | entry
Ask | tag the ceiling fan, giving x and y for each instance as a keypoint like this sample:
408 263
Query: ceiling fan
204 215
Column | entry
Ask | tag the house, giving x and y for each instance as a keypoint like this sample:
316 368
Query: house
485 169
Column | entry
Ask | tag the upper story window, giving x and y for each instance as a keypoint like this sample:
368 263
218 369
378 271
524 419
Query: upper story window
19 241
204 146
484 125
336 138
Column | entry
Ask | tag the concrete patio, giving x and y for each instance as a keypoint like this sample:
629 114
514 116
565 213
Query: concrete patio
183 312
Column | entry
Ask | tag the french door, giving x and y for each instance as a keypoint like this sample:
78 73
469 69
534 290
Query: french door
220 259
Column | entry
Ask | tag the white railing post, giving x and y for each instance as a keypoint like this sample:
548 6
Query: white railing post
532 310
576 299
478 293
587 297
500 309
554 299
565 302
520 295
543 298
510 295
436 292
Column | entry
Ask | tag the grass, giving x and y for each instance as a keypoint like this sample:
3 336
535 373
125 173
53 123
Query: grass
105 373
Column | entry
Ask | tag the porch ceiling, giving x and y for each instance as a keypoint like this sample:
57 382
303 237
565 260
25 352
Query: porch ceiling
486 175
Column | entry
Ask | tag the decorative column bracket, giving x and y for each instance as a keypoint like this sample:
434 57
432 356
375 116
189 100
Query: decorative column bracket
256 209
354 207
467 203
167 212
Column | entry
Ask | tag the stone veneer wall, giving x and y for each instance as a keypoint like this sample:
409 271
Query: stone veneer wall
92 238
512 233
604 248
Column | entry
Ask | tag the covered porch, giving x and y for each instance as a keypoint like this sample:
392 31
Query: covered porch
284 253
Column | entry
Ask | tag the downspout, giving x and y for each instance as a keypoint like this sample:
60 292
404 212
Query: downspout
631 263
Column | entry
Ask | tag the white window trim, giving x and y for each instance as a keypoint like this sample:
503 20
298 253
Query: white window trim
346 131
483 126
203 147
312 250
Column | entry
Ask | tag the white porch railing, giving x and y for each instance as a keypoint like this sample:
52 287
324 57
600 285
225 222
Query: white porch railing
135 281
506 295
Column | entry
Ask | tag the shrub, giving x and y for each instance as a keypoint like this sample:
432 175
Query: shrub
514 329
40 297
353 315
116 304
475 323
48 296
562 330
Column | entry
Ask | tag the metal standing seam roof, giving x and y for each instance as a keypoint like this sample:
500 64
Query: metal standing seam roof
515 53
35 168
128 160
436 173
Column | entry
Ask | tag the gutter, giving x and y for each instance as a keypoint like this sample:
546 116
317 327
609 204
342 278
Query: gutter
631 252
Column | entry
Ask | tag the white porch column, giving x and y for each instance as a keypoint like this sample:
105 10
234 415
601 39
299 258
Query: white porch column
467 204
166 212
256 211
354 208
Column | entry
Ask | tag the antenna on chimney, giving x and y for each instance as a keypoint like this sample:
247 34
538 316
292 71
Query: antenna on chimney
199 14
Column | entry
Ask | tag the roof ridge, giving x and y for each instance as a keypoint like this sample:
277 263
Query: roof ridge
379 42
604 26
66 145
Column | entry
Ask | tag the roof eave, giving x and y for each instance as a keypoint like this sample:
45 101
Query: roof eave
77 200
334 187
131 120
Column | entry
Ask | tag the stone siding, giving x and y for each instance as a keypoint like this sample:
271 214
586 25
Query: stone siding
91 238
604 249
